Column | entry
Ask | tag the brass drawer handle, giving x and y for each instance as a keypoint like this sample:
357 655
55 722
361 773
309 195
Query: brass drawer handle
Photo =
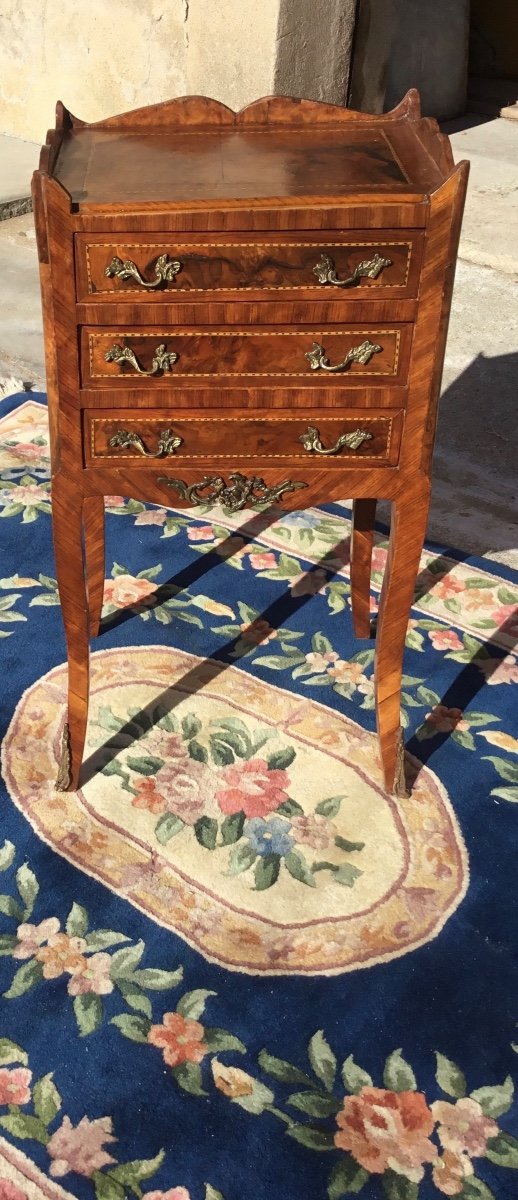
311 440
162 361
241 490
166 270
370 267
124 439
362 354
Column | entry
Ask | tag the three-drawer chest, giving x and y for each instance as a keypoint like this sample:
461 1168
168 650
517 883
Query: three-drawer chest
247 309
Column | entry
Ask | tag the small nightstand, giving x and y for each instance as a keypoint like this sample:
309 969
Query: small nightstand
248 308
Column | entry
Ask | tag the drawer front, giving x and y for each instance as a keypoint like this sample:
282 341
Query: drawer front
161 268
158 357
352 437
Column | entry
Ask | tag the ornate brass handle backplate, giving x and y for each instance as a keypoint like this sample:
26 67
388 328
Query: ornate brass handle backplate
311 440
125 439
370 268
241 490
162 360
166 269
362 354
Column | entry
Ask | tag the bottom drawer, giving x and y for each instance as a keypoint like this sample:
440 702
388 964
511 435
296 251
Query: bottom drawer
354 436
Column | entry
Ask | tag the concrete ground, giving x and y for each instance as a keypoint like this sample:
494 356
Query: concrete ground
475 475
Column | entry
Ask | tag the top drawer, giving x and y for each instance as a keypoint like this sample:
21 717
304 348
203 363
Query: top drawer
158 267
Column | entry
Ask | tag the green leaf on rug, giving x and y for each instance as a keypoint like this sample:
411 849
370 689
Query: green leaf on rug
25 978
506 793
314 1104
330 807
198 752
449 1076
157 981
282 1071
290 808
192 1004
266 872
398 1187
212 1194
476 1189
398 1074
9 907
28 888
106 1187
188 1076
104 939
322 1059
133 1027
10 1052
506 770
222 753
124 961
46 1098
496 1100
132 1173
21 1125
7 855
88 1011
232 828
241 858
167 827
314 1139
297 866
77 921
281 759
206 832
345 844
346 1178
191 725
145 764
354 1077
218 1039
7 943
134 997
503 1151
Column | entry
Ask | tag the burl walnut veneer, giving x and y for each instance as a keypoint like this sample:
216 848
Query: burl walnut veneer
248 307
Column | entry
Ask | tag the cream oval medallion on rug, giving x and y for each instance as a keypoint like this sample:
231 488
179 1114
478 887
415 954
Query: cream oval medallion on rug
244 818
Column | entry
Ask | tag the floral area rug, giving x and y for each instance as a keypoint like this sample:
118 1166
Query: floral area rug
232 967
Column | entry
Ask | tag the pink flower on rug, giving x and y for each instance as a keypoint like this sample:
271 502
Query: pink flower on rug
313 830
179 1039
151 516
321 662
28 494
444 587
200 533
499 670
80 1148
250 787
14 1085
445 720
31 937
231 547
463 1128
28 451
506 618
114 501
94 978
9 1191
186 785
445 639
309 583
263 560
257 631
177 1193
148 797
125 590
62 953
450 1171
387 1130
346 672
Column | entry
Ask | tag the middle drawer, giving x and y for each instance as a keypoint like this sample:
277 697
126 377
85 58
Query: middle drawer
349 354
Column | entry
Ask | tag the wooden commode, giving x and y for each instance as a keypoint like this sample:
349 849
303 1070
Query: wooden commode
246 308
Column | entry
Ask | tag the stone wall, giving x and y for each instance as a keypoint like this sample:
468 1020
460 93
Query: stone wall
106 56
